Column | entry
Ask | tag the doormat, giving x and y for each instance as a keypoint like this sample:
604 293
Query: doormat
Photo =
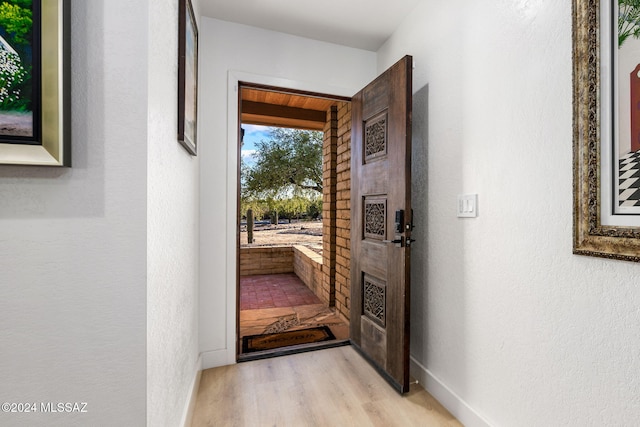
254 343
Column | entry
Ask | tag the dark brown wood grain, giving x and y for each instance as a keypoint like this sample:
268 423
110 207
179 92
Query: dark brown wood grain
385 176
261 113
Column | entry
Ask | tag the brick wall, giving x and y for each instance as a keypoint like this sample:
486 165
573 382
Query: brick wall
307 265
343 210
329 159
336 210
266 260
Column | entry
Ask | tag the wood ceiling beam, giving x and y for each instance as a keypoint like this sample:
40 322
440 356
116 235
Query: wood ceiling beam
272 112
249 119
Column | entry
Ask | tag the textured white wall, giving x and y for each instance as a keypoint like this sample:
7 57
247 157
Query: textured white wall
274 57
172 233
503 314
73 241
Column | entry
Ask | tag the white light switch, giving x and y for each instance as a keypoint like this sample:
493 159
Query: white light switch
467 205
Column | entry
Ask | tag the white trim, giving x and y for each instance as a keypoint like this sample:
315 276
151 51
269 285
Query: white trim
447 397
321 88
231 205
187 414
213 359
234 78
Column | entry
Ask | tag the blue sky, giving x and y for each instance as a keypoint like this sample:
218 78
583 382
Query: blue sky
252 135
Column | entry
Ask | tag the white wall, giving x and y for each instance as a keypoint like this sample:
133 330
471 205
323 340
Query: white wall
503 315
99 278
73 241
237 52
172 233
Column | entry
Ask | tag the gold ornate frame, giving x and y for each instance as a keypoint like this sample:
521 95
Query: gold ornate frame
590 237
54 148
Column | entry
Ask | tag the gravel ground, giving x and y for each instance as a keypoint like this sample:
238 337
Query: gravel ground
301 233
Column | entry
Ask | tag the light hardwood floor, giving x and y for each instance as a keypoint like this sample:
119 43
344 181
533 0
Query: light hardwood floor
333 387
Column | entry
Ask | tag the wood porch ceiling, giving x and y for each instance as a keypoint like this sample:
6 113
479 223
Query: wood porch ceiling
274 108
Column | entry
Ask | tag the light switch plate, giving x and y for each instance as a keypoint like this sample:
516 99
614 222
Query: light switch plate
467 205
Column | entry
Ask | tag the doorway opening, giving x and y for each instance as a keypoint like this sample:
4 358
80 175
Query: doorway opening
289 289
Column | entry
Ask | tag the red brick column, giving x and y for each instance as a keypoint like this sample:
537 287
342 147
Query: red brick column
329 158
343 210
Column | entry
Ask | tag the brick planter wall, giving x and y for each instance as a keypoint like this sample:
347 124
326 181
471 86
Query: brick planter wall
266 260
307 265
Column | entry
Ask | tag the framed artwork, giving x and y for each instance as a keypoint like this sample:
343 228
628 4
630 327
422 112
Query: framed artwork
606 118
187 78
34 82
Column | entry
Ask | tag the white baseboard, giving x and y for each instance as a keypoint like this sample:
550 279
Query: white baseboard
187 415
213 359
447 397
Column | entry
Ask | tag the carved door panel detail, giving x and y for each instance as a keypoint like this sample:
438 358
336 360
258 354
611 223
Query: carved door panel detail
375 217
374 299
375 143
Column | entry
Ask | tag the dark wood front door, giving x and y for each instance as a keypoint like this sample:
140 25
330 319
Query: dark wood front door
381 222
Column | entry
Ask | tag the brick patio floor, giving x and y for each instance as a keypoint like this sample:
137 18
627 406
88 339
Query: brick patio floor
274 290
282 302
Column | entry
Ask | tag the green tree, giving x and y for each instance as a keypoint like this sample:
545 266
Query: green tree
16 20
314 210
293 207
290 162
259 207
628 20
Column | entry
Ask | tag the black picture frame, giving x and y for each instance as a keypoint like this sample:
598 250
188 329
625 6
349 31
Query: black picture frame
187 78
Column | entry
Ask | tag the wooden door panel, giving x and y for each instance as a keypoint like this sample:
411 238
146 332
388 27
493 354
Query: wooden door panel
377 181
374 342
371 254
380 254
